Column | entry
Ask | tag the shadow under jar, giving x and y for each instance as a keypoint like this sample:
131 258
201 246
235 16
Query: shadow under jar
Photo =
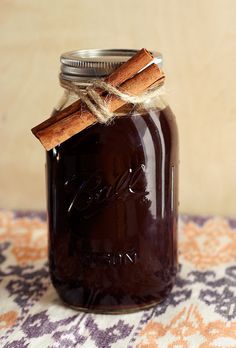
112 201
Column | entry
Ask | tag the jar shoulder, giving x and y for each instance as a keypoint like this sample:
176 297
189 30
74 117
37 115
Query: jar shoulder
126 134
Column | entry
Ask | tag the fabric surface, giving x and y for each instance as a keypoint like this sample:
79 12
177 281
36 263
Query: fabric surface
199 312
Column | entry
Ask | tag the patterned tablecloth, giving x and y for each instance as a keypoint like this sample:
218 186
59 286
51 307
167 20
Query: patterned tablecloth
199 312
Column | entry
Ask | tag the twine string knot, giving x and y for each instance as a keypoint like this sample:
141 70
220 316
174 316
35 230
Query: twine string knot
99 106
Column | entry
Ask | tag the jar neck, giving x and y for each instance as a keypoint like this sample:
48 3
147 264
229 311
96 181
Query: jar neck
71 96
82 83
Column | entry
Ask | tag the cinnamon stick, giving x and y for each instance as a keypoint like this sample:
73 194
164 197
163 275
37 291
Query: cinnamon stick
120 75
65 127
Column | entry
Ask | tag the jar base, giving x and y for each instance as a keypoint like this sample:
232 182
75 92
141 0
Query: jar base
140 303
125 309
114 311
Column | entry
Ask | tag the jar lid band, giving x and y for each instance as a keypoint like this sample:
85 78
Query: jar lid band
82 65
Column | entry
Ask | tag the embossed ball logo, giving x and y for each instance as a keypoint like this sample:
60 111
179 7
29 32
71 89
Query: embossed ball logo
93 193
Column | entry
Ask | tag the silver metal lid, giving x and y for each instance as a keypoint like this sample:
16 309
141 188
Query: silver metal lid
82 65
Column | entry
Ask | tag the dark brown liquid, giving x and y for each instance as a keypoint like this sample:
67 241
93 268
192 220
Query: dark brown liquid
112 201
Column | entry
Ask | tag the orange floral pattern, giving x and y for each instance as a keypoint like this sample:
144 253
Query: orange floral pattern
186 329
8 319
28 237
209 245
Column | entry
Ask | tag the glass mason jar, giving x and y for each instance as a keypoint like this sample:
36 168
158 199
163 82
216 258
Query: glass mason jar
112 200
